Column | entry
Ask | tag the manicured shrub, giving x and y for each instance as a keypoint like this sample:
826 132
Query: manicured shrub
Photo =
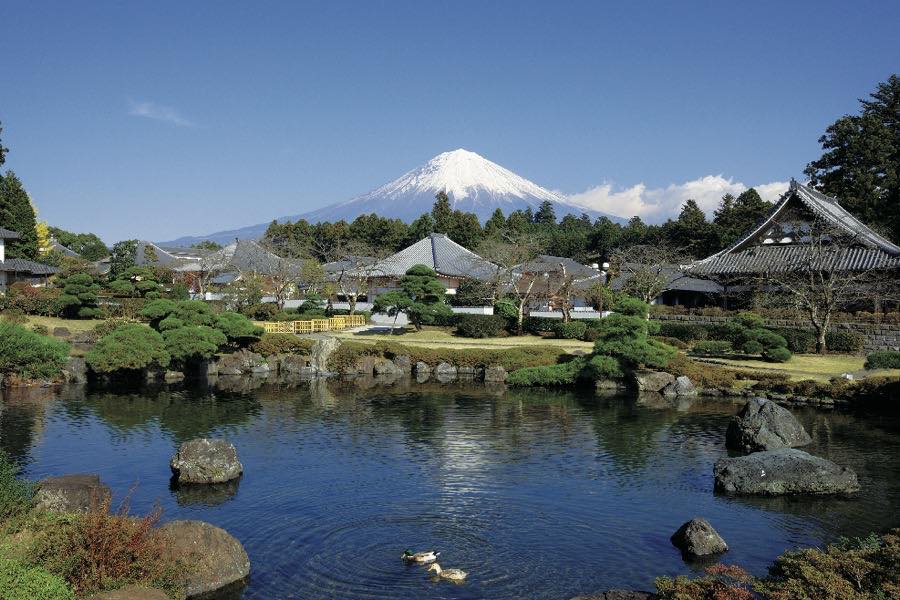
107 327
604 367
712 348
751 347
237 328
847 342
765 337
750 320
538 325
281 343
128 348
624 336
261 312
19 581
29 355
480 326
728 331
472 292
79 297
887 359
778 355
191 344
799 341
563 374
573 330
15 493
686 332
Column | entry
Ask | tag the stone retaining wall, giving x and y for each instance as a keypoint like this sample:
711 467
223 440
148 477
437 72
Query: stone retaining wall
877 336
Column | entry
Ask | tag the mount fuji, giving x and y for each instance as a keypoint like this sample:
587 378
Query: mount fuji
473 184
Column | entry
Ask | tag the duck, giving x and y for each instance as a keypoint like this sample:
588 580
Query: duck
451 574
420 557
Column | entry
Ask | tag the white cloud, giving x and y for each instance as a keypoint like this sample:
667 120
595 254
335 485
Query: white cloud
658 204
157 112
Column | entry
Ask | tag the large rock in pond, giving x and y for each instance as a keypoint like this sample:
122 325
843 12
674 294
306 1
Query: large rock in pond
321 351
784 471
206 461
652 381
618 595
763 425
131 592
217 559
697 538
71 493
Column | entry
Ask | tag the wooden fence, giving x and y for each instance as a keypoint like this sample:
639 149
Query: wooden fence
315 325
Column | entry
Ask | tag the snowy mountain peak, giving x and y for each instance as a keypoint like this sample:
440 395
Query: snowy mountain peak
464 176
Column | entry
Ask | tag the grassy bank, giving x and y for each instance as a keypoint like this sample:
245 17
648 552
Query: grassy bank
434 336
807 366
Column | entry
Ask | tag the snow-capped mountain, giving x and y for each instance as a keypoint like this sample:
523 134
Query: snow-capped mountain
472 182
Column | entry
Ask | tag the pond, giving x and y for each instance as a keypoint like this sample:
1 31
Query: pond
536 494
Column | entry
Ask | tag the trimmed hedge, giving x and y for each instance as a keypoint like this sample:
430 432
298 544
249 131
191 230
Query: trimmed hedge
846 342
887 359
538 325
799 341
573 330
778 354
686 332
563 374
480 326
511 359
128 348
30 355
712 347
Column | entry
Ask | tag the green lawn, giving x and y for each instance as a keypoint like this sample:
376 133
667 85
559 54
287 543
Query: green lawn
431 336
73 325
809 366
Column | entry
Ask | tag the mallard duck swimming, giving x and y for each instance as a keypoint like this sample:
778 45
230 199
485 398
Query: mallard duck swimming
420 557
451 574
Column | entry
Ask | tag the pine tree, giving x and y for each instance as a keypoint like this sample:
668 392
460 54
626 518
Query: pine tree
442 213
545 214
860 164
496 225
17 214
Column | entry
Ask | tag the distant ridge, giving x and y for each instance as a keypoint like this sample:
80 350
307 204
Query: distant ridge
473 183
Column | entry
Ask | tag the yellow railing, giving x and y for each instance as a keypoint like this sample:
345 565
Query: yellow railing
315 325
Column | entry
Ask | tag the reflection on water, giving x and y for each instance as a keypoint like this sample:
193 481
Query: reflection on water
509 485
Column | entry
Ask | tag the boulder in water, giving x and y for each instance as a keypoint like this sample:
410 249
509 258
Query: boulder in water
697 538
652 381
784 471
204 460
764 425
217 559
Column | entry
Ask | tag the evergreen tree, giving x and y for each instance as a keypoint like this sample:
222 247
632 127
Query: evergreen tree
87 245
691 232
123 257
421 296
420 228
442 213
17 214
496 225
860 164
545 214
465 229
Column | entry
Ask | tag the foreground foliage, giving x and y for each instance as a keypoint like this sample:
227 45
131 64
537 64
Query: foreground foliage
30 355
15 493
20 581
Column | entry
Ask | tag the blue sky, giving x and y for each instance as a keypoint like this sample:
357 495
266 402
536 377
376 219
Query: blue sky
160 119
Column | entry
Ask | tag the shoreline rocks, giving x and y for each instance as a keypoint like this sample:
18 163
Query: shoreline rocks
206 461
697 538
71 493
764 425
618 595
783 471
217 558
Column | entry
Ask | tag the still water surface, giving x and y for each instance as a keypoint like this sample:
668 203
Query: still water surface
536 494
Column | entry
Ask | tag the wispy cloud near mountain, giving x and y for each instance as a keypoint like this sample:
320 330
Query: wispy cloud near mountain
158 112
658 204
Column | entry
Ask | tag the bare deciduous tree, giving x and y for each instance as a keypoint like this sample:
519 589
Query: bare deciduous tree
506 254
646 268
